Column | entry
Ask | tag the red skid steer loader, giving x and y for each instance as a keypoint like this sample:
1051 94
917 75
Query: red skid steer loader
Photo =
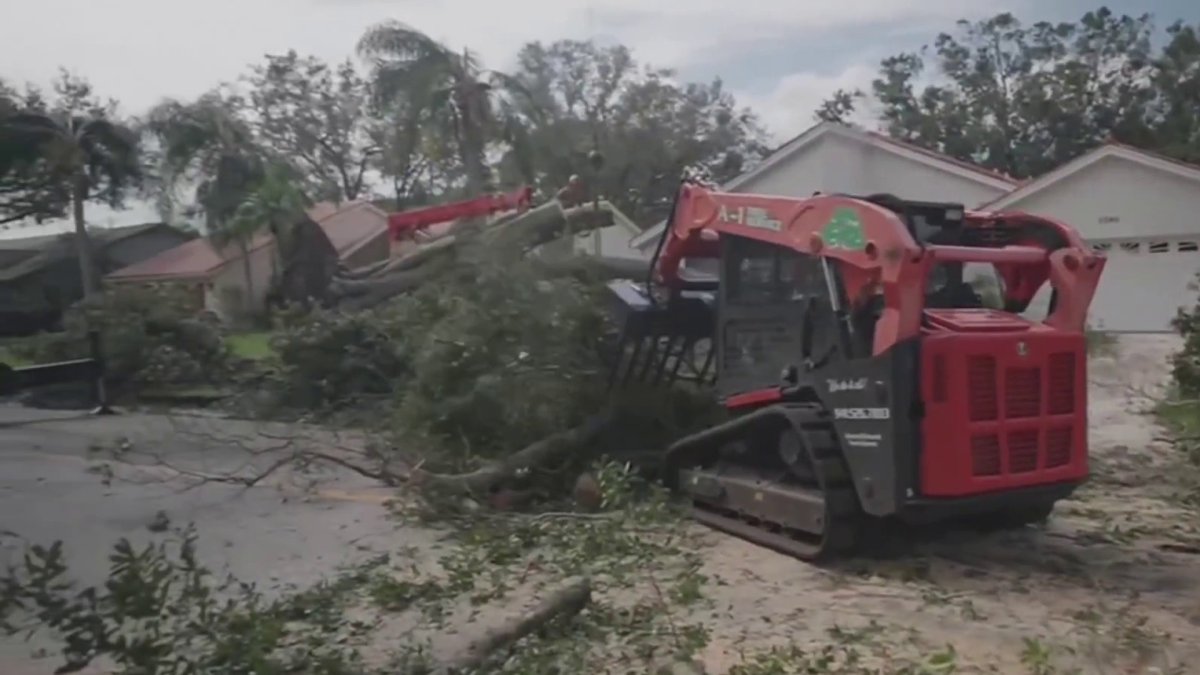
866 379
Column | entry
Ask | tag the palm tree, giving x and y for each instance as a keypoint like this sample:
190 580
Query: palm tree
451 87
90 155
275 204
209 143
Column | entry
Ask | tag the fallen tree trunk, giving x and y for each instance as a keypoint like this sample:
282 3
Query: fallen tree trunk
366 293
367 287
541 453
567 600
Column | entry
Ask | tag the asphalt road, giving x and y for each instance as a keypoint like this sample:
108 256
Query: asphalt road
276 535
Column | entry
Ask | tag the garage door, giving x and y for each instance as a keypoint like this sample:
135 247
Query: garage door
1143 284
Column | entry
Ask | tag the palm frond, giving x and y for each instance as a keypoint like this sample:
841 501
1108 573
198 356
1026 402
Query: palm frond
110 152
398 41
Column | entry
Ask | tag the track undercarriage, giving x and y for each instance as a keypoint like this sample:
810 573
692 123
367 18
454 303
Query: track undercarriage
774 477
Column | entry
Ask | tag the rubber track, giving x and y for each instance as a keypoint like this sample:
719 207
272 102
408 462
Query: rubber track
843 518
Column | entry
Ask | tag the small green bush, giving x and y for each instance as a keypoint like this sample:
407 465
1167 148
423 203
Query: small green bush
1185 364
330 360
149 336
1100 343
160 612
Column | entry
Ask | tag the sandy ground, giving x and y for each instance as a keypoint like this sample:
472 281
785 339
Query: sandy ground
1110 585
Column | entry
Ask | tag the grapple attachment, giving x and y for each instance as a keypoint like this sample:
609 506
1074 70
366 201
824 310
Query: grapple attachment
662 341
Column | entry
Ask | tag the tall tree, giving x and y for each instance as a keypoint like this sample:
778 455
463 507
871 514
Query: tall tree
82 152
1175 111
29 190
452 88
627 130
318 118
274 204
839 106
208 147
1021 99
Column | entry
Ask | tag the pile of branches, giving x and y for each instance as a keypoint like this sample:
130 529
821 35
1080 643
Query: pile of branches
479 358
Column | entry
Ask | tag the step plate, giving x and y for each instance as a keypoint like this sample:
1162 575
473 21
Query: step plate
779 542
756 498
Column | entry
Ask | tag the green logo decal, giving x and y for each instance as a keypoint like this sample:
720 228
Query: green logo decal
844 230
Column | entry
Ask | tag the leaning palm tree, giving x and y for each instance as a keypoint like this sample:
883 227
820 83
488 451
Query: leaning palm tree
206 144
274 204
452 88
91 156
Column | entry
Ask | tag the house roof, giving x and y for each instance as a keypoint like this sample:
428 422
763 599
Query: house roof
349 226
874 139
1111 149
31 254
196 260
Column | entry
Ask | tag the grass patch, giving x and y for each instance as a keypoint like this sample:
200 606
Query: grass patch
1182 419
1100 343
255 346
10 357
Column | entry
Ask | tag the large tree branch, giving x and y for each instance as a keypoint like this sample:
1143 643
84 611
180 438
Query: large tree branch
542 453
567 600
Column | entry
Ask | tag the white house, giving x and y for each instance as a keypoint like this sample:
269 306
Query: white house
832 157
1143 211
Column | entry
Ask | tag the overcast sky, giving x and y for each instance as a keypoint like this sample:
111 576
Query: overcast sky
782 57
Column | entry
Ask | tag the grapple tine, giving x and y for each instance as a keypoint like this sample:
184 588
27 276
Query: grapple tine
688 344
633 360
618 355
672 346
650 359
659 332
708 360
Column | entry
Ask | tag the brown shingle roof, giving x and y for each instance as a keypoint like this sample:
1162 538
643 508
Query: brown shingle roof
196 260
46 249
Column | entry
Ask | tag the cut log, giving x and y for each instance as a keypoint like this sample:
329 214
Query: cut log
543 452
548 222
567 600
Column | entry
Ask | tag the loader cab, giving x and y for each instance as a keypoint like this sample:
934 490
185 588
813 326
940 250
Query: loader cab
773 313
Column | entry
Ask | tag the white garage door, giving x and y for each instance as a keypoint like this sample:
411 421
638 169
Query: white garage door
1143 284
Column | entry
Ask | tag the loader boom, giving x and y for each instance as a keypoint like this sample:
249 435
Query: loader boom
873 246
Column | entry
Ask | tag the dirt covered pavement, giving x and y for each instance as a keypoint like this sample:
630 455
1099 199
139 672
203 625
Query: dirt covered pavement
1110 585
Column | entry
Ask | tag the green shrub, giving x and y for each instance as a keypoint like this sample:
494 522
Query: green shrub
1100 343
160 611
501 360
330 360
149 336
1185 364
